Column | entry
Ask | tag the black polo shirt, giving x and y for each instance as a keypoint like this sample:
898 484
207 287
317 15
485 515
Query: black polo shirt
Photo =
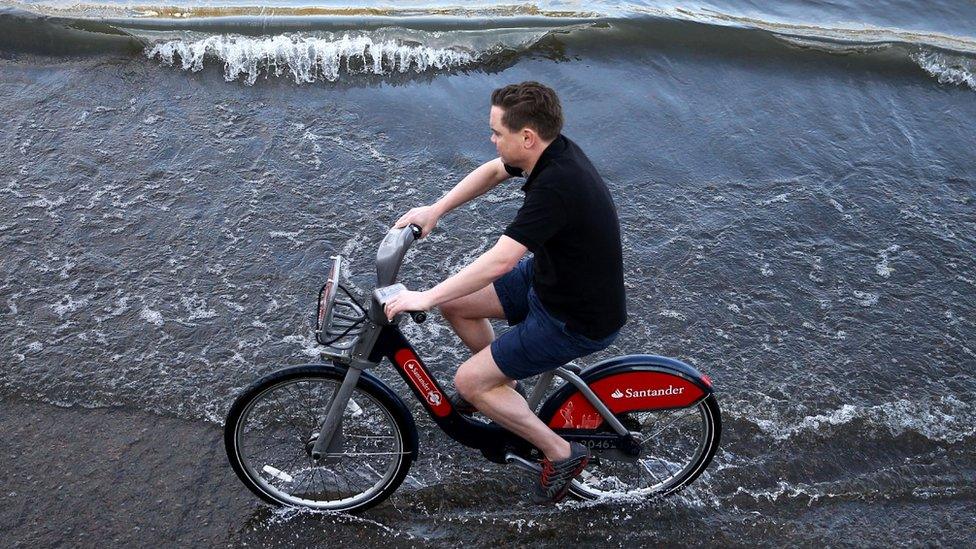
569 221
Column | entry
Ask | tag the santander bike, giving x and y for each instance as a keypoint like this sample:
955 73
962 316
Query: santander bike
332 436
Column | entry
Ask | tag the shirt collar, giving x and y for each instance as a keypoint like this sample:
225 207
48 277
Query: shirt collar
557 147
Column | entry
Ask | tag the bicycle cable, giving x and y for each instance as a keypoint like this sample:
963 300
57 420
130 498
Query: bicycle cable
354 324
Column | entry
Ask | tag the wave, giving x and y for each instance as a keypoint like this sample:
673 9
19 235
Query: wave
308 57
182 9
950 59
309 44
948 69
26 32
947 419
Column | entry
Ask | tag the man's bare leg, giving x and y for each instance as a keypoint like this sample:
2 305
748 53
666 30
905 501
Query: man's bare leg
481 383
469 316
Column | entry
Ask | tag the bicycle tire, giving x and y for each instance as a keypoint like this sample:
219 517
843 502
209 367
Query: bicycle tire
711 422
369 390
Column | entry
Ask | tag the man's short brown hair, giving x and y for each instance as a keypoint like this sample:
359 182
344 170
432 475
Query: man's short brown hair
530 105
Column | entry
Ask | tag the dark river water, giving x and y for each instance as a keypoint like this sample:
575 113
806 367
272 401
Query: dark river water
797 196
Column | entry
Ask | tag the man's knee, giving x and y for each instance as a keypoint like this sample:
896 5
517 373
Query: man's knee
452 309
463 382
475 377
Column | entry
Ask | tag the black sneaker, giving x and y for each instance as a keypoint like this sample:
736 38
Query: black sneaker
557 476
464 407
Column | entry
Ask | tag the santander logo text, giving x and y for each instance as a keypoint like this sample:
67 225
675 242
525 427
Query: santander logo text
422 382
644 393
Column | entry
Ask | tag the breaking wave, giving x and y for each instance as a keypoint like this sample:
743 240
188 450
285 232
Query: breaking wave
311 45
306 59
948 69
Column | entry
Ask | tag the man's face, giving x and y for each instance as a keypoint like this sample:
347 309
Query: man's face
507 143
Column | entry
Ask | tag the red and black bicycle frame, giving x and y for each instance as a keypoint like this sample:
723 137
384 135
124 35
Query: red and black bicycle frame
622 384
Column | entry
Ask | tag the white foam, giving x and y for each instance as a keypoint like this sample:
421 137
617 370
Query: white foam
308 58
69 305
669 313
948 69
866 299
945 419
12 302
151 316
290 235
46 203
882 267
197 307
780 198
121 305
309 347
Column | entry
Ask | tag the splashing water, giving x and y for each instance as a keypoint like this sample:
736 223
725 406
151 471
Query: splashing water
948 69
308 58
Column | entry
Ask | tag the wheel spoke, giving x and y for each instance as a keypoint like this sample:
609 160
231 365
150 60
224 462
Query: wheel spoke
673 445
674 418
273 431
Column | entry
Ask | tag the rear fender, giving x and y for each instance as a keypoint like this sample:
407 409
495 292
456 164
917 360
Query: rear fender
625 384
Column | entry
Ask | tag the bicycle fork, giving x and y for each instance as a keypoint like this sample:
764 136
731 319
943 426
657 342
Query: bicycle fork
331 427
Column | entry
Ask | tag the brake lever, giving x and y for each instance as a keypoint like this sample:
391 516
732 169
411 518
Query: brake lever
384 294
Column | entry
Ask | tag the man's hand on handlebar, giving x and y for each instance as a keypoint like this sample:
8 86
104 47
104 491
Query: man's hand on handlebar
424 216
407 301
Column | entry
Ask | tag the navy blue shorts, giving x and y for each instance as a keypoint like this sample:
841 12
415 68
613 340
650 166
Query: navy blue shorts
538 342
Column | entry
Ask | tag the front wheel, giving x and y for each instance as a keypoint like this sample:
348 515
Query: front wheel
676 446
272 426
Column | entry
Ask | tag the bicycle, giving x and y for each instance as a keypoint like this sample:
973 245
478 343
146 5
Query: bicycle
334 437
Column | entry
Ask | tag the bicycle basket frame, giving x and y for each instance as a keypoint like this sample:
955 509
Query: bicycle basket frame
340 319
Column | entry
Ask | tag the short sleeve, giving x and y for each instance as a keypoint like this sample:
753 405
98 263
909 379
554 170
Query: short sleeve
513 171
541 216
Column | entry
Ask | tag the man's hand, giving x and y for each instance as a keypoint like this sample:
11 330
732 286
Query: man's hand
407 301
424 216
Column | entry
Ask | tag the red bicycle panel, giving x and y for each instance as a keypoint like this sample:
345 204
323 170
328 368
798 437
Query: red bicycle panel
625 392
407 361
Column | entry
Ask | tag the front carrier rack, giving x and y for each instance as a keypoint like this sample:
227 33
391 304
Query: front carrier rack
341 319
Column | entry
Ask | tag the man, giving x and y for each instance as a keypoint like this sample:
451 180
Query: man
564 303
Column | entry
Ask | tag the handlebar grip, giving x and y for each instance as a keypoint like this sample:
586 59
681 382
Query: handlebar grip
418 316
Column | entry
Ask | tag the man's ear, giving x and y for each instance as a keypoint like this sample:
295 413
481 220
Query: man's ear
528 138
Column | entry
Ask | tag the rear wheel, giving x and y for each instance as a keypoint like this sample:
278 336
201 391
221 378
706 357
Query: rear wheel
676 446
272 426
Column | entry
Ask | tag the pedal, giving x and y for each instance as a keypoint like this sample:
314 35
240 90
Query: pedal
536 468
523 463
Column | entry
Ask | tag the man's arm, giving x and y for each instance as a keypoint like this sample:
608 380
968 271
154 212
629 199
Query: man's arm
478 182
491 265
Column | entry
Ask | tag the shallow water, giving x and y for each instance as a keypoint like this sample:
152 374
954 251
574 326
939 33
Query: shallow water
798 223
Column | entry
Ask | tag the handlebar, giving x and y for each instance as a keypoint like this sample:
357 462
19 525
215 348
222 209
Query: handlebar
390 254
389 258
